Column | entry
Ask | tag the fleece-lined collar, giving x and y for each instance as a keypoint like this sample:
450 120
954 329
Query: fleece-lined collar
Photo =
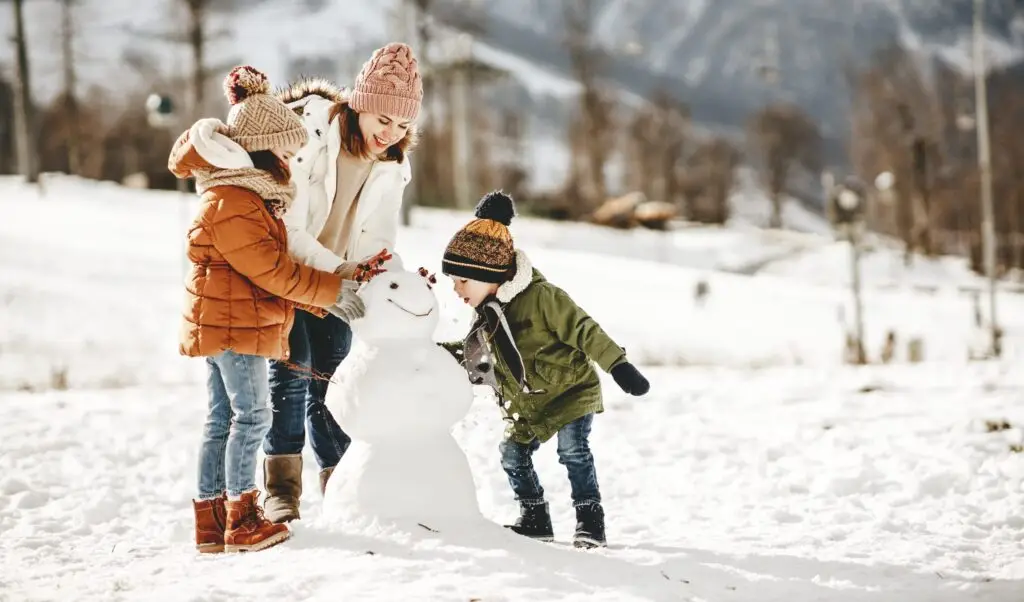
524 276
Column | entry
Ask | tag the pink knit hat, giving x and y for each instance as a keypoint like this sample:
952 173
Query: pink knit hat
389 83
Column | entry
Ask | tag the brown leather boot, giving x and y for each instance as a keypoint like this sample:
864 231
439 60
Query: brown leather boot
247 529
325 475
282 478
210 518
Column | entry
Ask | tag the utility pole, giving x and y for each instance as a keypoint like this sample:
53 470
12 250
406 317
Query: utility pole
28 155
70 97
988 235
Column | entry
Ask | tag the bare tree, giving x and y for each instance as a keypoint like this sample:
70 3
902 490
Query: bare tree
594 132
426 170
785 138
514 176
70 79
197 42
709 181
898 127
8 160
28 155
657 137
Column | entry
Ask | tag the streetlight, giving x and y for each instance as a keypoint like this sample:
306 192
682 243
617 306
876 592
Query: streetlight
160 113
846 204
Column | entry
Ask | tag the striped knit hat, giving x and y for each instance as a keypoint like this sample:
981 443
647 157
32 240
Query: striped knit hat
258 120
483 250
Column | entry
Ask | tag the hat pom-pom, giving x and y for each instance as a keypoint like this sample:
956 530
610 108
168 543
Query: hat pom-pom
243 82
496 206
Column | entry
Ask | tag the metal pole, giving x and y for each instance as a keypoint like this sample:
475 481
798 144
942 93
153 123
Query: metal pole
858 308
985 169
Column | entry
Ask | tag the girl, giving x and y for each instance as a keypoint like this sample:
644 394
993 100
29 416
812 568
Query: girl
240 293
350 177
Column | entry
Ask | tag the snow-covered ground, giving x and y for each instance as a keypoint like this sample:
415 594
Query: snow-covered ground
759 468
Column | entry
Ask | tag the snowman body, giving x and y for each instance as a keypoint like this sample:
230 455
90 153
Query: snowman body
399 402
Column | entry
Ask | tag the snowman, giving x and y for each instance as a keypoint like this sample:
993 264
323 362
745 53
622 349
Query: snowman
398 401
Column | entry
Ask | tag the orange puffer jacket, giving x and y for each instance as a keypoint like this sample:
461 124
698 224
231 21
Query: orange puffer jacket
242 286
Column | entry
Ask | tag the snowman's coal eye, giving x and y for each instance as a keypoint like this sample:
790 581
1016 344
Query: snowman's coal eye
394 285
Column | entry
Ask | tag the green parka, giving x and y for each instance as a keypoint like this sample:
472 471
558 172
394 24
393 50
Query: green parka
556 342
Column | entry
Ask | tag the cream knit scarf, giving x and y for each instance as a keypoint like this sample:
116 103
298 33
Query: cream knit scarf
278 197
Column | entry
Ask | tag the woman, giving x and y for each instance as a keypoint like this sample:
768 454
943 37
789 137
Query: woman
351 177
240 294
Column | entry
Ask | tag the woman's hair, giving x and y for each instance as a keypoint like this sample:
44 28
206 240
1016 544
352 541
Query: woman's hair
268 161
352 136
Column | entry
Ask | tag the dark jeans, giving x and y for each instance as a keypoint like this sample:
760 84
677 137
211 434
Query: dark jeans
573 453
318 345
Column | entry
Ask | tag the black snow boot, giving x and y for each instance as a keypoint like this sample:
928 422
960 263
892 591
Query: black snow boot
589 527
534 522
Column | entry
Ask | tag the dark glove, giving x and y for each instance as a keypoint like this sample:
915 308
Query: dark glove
630 380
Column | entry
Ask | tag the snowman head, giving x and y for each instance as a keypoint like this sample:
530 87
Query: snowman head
399 305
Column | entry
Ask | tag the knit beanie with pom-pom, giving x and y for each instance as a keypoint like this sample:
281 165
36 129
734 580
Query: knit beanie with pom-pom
258 120
483 249
389 83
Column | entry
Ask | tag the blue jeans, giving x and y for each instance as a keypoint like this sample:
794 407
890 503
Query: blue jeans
318 346
573 453
238 419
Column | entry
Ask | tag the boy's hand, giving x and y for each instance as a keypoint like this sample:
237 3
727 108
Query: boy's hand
630 380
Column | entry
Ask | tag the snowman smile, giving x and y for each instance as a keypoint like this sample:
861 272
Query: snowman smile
411 313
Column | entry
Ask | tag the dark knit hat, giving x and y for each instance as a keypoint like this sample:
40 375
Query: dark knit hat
483 250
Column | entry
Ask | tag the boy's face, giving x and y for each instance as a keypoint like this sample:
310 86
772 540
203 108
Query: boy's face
473 292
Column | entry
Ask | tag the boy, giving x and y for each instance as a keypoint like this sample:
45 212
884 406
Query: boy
534 346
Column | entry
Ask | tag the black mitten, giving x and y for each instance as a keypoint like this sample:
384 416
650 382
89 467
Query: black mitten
630 380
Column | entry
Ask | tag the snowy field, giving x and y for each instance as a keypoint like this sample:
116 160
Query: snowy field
759 468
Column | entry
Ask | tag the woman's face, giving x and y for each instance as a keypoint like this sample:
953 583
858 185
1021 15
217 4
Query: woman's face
285 153
381 131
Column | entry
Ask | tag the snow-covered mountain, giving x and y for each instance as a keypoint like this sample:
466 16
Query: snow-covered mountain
713 55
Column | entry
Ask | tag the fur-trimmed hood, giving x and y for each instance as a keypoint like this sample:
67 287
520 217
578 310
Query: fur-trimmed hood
311 86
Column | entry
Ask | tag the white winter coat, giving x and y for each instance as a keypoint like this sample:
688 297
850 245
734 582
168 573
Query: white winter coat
314 171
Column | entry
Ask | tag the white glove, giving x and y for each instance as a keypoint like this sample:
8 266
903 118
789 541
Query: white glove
349 305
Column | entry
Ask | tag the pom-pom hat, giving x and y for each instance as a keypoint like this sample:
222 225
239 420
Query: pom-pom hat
483 249
258 120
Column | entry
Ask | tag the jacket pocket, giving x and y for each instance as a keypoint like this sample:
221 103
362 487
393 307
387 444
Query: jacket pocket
557 373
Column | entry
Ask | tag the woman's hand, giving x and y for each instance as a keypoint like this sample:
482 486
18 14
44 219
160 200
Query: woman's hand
370 267
365 270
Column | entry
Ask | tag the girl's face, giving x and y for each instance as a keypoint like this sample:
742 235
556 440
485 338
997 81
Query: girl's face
381 131
473 292
285 153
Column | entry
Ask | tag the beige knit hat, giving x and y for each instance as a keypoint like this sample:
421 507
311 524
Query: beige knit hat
389 83
258 120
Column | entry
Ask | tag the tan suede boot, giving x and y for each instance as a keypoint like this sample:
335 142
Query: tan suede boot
210 519
325 475
247 530
282 479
